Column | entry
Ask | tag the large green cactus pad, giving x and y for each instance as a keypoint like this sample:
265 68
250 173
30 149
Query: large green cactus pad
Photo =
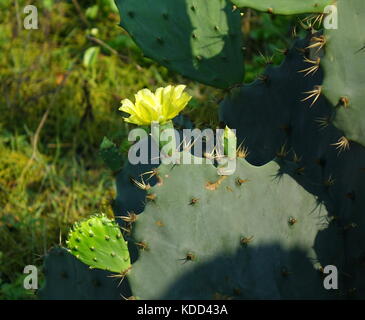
99 243
344 69
273 122
249 235
285 6
199 39
262 111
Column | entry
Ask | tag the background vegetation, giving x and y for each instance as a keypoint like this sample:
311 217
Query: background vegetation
60 89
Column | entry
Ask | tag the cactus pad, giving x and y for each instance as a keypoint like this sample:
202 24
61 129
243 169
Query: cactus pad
69 279
199 39
285 6
303 141
344 73
249 235
98 242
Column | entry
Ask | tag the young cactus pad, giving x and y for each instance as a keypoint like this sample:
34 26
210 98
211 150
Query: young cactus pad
98 242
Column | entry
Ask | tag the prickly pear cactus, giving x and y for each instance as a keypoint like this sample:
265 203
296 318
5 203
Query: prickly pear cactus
285 6
130 197
263 232
344 75
249 235
274 119
99 243
262 111
199 39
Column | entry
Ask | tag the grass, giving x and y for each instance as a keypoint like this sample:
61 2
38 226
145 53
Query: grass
55 110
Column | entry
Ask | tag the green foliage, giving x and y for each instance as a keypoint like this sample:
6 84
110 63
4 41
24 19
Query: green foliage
52 179
40 199
15 290
99 8
90 57
200 40
98 242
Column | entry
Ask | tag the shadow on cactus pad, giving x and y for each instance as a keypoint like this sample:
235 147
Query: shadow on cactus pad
69 279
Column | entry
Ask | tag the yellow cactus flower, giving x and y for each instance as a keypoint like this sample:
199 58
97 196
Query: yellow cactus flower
161 106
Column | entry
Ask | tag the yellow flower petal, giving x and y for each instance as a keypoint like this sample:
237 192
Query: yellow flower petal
129 107
159 95
161 106
167 101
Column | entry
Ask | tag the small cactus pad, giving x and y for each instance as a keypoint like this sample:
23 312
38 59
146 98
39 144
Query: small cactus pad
248 235
344 70
98 242
285 6
199 39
